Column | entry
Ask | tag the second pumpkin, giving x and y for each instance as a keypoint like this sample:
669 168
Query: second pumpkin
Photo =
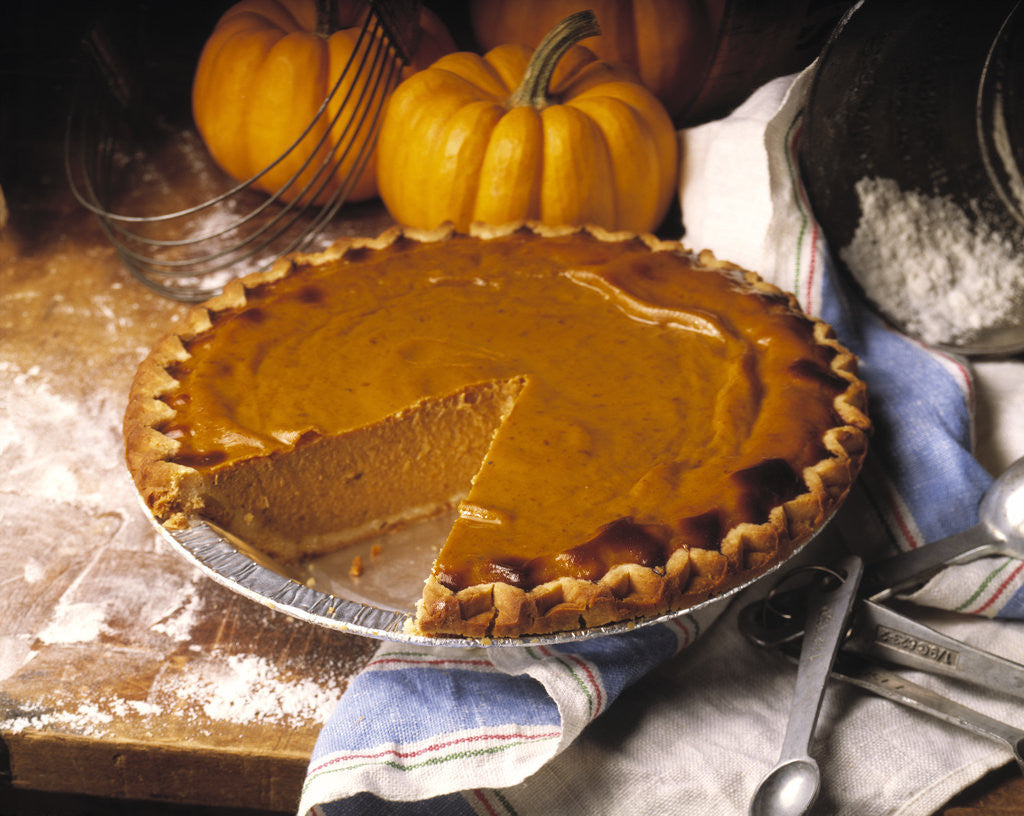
552 135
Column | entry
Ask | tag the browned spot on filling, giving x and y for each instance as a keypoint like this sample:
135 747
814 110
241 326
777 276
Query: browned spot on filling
764 486
621 542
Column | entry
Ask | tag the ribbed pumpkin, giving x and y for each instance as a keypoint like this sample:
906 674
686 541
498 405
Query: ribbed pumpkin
669 43
263 76
554 135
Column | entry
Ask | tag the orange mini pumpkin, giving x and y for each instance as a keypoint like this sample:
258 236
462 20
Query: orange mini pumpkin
263 76
554 135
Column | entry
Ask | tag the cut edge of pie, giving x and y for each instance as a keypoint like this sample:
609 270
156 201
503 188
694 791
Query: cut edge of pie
176 493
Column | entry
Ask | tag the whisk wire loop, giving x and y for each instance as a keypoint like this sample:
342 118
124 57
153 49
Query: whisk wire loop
120 157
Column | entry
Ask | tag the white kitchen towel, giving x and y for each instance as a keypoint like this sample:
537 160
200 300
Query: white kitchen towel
685 718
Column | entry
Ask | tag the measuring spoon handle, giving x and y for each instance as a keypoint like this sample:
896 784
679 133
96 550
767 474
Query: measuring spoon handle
828 614
890 575
860 672
885 633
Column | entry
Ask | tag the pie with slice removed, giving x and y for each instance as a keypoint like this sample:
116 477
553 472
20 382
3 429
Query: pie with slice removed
626 427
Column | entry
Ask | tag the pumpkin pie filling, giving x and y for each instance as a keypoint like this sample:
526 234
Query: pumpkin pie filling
626 427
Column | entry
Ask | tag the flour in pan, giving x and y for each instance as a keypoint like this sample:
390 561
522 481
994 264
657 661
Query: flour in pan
929 267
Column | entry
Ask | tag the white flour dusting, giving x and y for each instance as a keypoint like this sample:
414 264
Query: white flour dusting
178 625
32 571
88 719
250 689
75 623
47 437
930 268
203 689
218 687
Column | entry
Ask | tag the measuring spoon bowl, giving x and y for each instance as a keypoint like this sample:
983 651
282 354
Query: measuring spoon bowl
789 790
1002 507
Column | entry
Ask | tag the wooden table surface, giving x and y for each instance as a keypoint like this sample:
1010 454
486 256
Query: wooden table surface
124 673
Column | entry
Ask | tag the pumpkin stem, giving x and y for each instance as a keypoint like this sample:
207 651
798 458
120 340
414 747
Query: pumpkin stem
326 11
534 88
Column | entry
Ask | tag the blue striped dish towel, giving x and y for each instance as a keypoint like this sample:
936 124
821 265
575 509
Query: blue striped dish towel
503 730
419 720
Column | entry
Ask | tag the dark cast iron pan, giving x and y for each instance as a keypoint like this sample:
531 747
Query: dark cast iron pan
908 90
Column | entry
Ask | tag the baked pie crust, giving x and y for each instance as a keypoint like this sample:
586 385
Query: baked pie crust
627 427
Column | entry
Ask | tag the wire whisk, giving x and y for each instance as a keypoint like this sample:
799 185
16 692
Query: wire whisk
180 225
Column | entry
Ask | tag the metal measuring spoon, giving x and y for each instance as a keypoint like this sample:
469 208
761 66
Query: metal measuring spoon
886 634
861 672
792 786
878 631
999 531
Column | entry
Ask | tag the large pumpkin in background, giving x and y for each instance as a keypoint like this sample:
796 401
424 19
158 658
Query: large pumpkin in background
263 76
669 43
553 135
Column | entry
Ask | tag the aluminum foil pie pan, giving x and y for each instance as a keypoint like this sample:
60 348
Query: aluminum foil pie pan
377 603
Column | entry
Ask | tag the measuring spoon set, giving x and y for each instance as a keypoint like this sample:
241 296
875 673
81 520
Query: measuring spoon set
838 627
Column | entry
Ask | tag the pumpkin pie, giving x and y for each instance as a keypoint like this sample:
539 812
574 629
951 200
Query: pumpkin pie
625 427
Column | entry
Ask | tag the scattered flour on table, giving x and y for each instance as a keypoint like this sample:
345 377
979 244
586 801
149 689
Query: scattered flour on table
238 689
930 268
75 623
47 437
178 625
32 571
251 689
87 719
